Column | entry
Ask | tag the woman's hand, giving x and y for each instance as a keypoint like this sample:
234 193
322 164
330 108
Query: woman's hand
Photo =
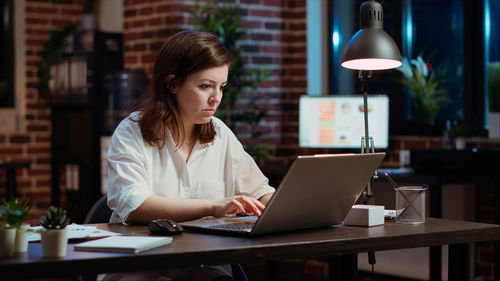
236 204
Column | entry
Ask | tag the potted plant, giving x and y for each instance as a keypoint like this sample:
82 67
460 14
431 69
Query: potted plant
13 231
7 232
459 132
494 99
424 86
51 52
89 21
54 233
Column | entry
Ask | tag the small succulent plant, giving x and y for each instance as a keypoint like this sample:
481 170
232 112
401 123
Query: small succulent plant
55 218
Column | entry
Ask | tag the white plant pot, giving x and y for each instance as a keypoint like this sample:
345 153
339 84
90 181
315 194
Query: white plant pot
7 240
89 22
494 125
54 242
21 244
460 143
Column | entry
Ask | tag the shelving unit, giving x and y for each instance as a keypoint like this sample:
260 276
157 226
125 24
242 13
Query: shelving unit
80 86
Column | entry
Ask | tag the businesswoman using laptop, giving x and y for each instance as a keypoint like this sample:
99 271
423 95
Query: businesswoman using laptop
173 159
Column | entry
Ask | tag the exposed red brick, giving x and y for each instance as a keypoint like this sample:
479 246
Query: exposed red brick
131 36
274 25
43 161
10 151
21 184
261 13
20 139
252 24
155 21
297 26
148 34
129 13
42 139
61 22
273 3
44 10
39 172
40 183
37 128
35 42
261 37
37 21
165 8
139 23
71 11
148 58
174 19
22 160
296 3
130 59
146 11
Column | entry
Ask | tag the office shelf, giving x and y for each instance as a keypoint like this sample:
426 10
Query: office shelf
81 84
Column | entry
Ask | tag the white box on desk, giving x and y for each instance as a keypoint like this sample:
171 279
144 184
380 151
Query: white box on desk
365 215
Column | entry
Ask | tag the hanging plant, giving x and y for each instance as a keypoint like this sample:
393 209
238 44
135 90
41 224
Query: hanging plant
51 52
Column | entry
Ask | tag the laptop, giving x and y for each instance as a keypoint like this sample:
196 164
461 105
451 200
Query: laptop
317 191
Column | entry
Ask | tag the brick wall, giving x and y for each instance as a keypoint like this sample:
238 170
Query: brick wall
275 39
33 146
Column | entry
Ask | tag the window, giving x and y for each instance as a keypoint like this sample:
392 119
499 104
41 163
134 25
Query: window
448 34
6 57
491 36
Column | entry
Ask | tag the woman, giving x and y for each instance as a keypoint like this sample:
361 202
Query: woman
173 159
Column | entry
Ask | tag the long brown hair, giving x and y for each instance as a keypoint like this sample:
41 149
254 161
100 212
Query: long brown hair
182 54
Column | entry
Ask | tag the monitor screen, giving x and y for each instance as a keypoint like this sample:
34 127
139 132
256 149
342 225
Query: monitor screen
338 121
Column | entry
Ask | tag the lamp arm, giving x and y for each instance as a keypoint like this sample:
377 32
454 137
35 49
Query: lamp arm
364 75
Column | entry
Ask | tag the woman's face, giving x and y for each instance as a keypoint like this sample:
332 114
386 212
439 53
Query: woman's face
200 94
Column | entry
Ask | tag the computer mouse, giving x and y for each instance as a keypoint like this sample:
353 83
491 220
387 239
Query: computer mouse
164 227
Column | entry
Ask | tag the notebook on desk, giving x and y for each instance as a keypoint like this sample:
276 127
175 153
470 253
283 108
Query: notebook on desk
317 191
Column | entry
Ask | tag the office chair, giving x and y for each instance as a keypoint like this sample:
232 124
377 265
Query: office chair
101 213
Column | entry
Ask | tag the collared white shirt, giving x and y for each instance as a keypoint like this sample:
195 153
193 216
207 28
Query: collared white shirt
137 170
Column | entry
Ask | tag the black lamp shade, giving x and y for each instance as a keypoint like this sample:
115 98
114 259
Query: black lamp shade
371 48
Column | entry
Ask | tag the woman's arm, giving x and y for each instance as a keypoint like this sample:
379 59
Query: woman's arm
265 198
179 210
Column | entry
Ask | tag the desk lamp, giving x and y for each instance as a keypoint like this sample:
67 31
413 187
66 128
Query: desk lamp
371 48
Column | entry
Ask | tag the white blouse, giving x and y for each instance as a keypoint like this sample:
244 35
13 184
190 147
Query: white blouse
137 170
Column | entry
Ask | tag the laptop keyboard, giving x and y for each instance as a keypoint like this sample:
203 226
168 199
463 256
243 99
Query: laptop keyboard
240 226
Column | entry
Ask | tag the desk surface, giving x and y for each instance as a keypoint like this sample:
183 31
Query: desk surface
190 249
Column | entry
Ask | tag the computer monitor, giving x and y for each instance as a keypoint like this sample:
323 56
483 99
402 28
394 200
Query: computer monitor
338 121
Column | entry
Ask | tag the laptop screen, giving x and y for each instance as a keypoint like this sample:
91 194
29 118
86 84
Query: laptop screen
338 121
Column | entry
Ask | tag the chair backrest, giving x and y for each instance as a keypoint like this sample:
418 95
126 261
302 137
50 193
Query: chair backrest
100 212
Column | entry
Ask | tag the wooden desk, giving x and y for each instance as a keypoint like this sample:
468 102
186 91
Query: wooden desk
436 182
190 249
